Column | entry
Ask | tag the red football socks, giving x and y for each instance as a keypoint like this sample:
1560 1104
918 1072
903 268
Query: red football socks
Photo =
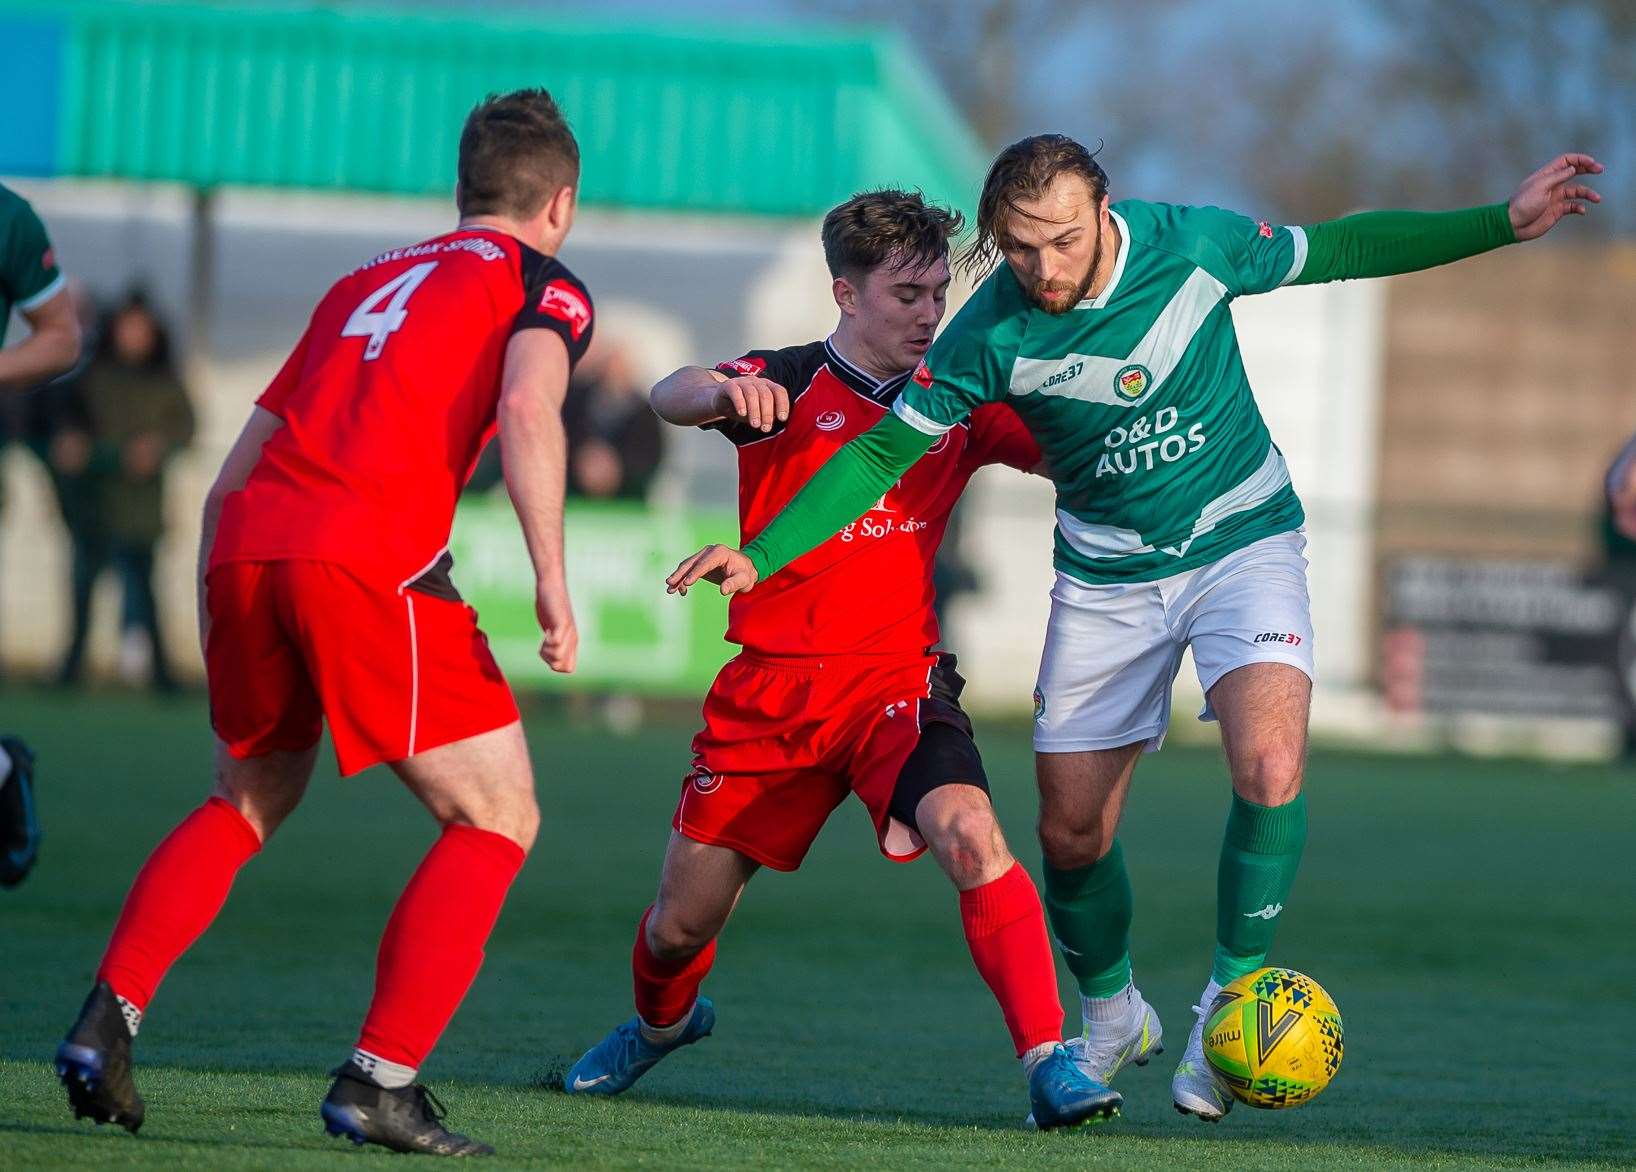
433 945
176 894
1005 929
666 989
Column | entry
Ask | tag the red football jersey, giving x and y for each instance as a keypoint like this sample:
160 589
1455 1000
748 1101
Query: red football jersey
388 400
868 589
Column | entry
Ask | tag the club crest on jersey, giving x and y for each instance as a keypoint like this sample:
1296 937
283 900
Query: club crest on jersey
704 781
567 304
747 365
1132 381
923 376
830 421
1039 705
1265 229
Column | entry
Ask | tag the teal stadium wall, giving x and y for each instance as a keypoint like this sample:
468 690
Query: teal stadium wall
762 121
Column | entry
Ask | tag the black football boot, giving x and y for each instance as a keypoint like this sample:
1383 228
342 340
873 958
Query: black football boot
405 1119
19 823
94 1061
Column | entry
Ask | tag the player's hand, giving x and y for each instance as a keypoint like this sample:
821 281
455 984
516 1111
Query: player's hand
759 402
560 647
1551 193
728 568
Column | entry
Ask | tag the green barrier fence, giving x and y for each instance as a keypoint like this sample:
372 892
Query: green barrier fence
633 636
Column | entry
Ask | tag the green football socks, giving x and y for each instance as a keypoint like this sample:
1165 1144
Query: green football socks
1090 910
1260 853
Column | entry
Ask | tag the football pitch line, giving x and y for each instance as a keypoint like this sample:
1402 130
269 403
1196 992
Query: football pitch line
1475 921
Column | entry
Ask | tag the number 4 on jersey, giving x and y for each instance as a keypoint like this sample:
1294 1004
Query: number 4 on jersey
378 325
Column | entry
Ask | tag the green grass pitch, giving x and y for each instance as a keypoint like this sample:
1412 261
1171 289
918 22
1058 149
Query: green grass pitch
1476 922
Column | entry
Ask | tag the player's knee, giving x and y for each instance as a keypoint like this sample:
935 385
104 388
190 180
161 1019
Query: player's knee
968 841
1074 839
263 806
677 938
511 813
1269 775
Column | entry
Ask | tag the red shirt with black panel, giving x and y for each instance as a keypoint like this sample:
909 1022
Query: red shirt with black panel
837 689
328 592
389 399
868 589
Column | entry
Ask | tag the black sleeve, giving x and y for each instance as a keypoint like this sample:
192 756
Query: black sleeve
792 368
556 300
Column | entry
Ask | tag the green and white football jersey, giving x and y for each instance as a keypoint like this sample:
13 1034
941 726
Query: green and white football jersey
1138 397
28 270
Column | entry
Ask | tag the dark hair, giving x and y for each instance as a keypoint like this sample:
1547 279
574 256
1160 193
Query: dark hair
136 301
874 227
1025 170
516 152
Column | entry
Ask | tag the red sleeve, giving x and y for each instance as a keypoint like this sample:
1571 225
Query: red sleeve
998 436
286 380
791 368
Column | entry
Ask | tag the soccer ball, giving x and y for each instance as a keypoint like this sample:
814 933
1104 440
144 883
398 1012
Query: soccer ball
1274 1037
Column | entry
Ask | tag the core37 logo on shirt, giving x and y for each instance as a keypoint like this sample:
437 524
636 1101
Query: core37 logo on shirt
566 303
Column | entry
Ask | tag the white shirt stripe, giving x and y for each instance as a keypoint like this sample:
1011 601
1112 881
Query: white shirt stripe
1299 235
919 422
29 304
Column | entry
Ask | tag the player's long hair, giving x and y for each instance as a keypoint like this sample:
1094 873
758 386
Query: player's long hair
874 227
1024 170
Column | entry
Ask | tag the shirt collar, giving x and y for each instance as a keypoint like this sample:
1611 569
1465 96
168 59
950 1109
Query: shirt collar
860 380
1101 299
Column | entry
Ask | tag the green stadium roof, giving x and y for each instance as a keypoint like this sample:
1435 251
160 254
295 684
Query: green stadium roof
713 120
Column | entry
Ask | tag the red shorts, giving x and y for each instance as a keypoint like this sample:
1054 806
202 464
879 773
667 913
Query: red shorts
395 671
785 740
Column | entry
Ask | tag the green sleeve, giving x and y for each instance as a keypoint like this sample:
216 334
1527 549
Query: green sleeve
28 268
839 493
1381 244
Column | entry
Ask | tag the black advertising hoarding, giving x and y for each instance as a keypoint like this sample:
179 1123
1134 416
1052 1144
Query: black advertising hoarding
1538 639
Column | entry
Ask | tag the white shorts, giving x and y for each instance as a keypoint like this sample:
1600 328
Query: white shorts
1112 651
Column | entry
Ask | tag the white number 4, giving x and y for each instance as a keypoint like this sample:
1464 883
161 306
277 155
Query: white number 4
378 325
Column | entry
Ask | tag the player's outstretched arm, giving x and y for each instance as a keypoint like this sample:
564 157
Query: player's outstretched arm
1382 244
840 492
695 395
534 457
52 347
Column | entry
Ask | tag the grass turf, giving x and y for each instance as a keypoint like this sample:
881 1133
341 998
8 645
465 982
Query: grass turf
1476 922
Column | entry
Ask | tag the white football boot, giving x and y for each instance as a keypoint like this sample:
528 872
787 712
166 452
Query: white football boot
1195 1088
1103 1051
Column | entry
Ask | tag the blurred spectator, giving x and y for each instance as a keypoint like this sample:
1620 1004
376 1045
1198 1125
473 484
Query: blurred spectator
614 438
1619 521
114 429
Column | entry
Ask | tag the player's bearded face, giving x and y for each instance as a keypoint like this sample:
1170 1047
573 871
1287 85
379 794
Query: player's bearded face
1054 245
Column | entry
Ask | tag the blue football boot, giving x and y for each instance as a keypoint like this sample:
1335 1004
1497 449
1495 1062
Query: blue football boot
624 1056
1063 1095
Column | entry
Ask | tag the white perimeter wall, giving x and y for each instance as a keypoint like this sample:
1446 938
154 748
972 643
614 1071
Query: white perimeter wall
671 291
